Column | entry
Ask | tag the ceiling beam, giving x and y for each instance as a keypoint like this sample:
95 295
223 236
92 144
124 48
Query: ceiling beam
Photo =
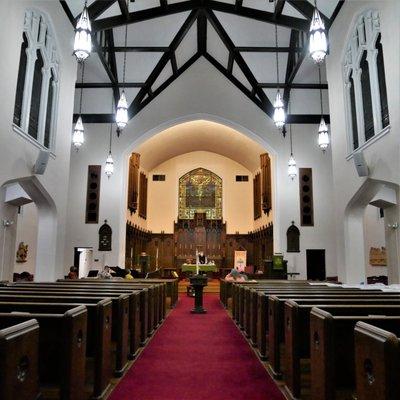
306 118
68 12
336 12
97 8
264 49
123 6
279 8
166 57
267 105
306 9
273 85
202 32
139 49
107 85
145 15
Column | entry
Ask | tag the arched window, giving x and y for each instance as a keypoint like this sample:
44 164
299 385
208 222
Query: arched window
37 83
364 72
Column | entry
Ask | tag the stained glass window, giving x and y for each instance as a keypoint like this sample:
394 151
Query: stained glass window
200 191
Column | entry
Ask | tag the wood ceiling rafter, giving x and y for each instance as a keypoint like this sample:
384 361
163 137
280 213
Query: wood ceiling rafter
200 12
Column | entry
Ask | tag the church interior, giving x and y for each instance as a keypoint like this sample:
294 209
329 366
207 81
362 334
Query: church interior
200 199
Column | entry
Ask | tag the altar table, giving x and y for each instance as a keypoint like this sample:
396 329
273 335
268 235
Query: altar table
202 268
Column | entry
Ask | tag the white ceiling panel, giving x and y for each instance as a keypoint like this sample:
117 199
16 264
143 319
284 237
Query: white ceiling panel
327 7
76 6
188 47
263 65
94 70
263 5
308 72
216 47
111 11
138 65
164 75
291 12
247 32
139 5
155 32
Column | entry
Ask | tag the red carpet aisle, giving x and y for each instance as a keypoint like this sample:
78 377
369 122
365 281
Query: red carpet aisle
196 357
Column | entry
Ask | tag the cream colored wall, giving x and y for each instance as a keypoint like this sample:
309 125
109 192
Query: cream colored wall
237 196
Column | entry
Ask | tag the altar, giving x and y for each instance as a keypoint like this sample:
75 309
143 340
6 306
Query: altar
210 267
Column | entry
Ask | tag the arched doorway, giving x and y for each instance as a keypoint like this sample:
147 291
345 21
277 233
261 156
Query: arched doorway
382 195
13 195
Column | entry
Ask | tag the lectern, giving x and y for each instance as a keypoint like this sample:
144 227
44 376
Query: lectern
198 282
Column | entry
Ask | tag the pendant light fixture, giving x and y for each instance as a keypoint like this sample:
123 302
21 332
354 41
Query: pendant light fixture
121 117
292 167
318 40
109 167
323 133
279 111
83 36
78 137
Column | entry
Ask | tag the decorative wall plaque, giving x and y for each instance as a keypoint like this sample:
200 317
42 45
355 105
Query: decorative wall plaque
105 237
306 197
93 194
293 239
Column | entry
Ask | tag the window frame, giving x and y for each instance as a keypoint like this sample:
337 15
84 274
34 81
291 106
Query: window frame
363 37
40 37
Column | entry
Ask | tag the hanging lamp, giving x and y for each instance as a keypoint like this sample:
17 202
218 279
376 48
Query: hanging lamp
78 137
292 167
279 110
318 39
323 133
121 117
83 36
109 167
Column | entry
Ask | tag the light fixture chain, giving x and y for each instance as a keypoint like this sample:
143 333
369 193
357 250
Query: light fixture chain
320 89
290 132
111 124
126 42
276 52
81 95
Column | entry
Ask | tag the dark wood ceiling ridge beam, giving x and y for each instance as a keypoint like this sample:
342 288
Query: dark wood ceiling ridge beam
145 15
336 12
267 105
291 62
68 12
165 58
258 15
306 118
202 32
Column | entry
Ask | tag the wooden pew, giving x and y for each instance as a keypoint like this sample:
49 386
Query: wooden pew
377 359
62 346
137 318
332 345
19 348
296 327
119 319
138 306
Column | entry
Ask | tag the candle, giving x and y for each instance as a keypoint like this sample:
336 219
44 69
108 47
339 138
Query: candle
157 258
197 262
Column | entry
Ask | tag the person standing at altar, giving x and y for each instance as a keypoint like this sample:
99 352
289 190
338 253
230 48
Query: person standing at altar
202 258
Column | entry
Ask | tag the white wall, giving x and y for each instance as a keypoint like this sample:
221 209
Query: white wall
216 100
27 232
237 197
374 237
18 155
382 157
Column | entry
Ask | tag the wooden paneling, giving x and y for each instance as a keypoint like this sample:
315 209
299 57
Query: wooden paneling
93 194
306 197
266 183
257 196
137 240
133 181
263 245
143 196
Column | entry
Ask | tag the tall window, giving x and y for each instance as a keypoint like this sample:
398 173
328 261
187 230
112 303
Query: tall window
365 84
37 83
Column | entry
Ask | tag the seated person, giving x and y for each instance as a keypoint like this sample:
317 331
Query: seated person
105 274
235 276
128 274
73 273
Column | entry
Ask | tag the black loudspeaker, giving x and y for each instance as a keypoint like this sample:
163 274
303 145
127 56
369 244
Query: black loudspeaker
360 164
41 162
93 194
306 197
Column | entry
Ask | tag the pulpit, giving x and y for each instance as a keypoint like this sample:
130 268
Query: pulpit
198 282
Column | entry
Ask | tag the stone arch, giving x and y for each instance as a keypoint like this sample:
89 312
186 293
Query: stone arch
46 229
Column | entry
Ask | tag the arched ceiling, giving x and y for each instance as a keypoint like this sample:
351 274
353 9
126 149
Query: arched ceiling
166 37
200 135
